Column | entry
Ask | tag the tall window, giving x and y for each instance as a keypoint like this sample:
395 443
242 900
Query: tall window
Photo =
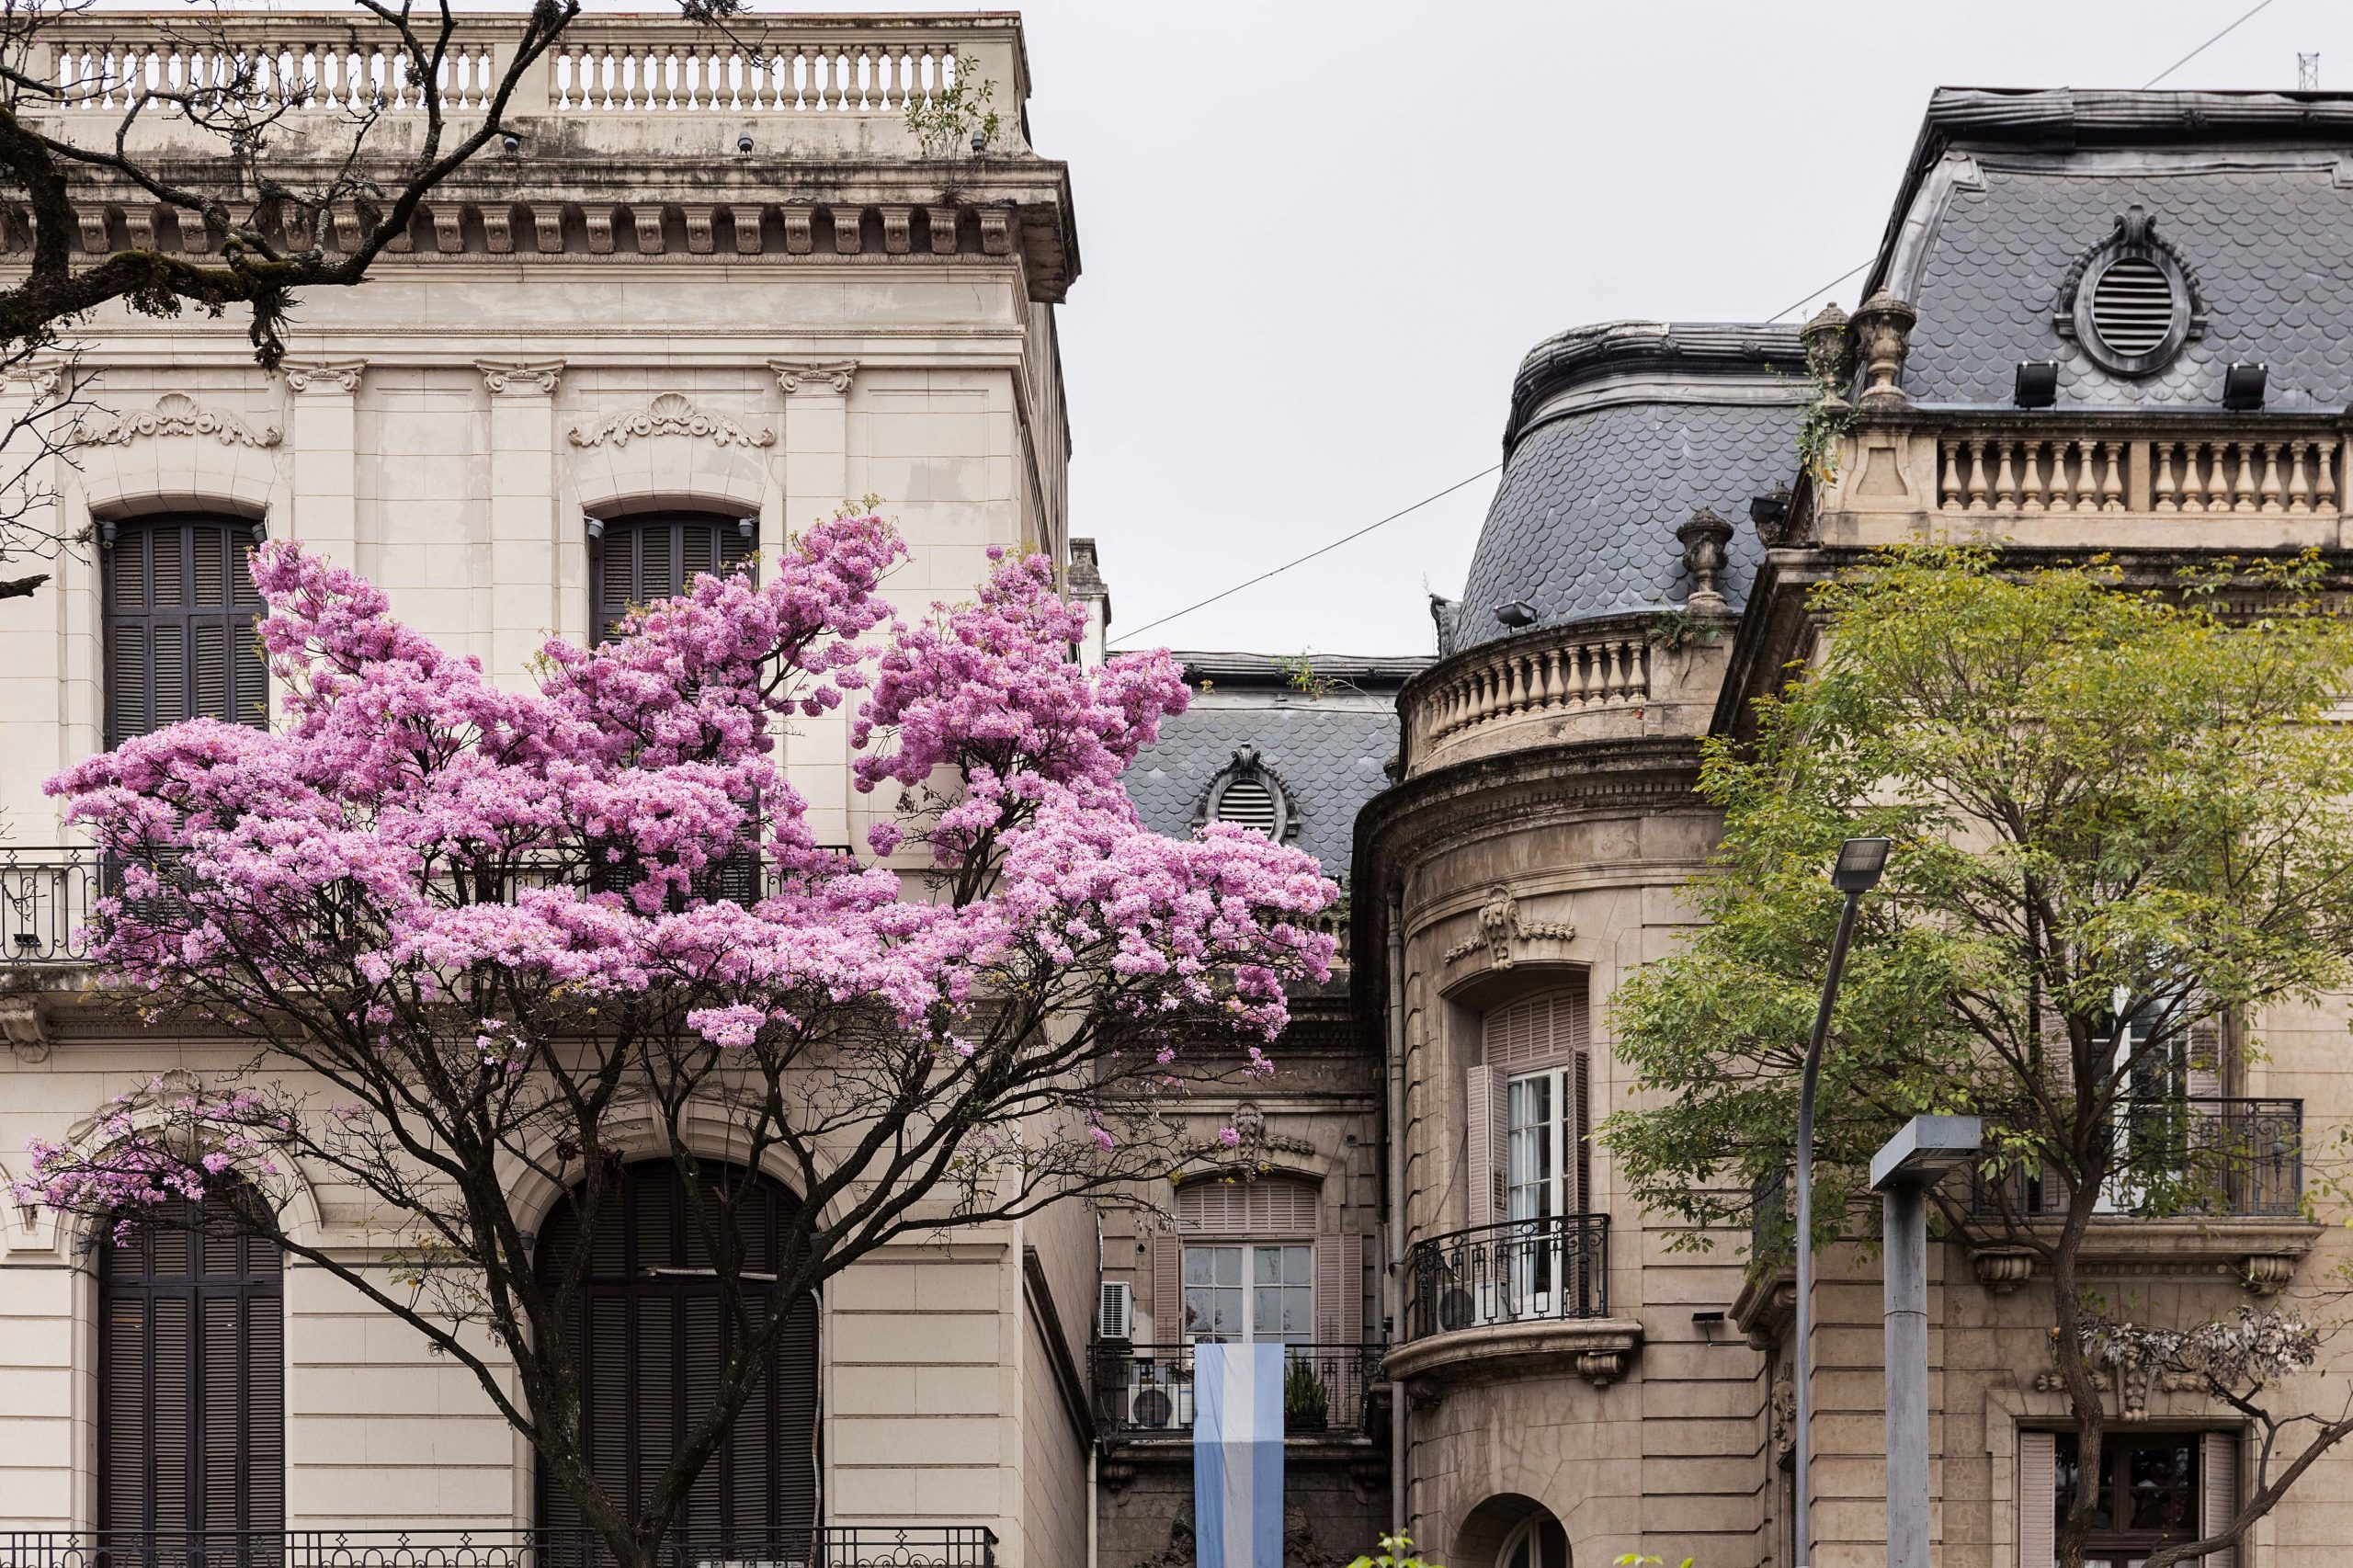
180 606
1524 1110
652 1330
1250 1292
653 555
2150 1489
191 1377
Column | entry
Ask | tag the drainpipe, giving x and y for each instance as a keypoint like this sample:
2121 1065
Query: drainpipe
1398 1483
1092 1449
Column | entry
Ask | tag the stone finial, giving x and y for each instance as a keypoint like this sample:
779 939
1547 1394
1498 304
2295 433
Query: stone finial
1705 536
1882 327
1825 344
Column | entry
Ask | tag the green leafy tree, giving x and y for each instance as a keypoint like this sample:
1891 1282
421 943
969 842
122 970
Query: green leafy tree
2117 816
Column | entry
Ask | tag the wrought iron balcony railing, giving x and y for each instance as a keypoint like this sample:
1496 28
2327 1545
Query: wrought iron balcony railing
1145 1391
840 1545
47 895
2186 1156
1519 1271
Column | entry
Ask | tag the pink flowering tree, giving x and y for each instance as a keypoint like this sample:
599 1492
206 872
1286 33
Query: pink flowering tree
489 944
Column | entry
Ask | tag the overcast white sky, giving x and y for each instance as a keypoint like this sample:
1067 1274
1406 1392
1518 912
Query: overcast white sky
1317 238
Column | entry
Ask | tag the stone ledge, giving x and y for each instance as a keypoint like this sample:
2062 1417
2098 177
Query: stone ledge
2260 1254
1600 1350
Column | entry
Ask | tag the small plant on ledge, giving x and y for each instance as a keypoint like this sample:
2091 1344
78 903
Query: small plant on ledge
1306 1406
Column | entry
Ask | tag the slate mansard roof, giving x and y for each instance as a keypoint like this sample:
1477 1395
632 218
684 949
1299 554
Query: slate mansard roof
1617 434
1328 753
2253 191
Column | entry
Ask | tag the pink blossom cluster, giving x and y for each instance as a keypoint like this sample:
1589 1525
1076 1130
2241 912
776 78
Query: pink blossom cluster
412 827
153 1146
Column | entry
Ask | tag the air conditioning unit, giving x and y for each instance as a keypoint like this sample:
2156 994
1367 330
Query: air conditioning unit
1113 1322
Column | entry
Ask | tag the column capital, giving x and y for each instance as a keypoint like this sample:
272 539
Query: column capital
324 375
520 377
814 375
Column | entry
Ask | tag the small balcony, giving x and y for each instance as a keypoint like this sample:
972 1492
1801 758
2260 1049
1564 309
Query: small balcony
1524 1291
843 1546
48 895
1145 1391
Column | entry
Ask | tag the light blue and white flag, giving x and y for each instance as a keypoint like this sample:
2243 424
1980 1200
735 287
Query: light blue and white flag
1238 1455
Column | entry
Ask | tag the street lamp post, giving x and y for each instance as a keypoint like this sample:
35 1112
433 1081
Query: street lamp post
1860 862
1928 1149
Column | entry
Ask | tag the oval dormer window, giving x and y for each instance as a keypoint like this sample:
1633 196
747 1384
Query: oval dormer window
2134 305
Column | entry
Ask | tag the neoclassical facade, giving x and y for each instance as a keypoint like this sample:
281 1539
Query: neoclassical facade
2100 322
660 329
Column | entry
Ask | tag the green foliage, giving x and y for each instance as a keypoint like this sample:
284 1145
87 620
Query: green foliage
1829 415
1396 1551
1644 1560
954 118
2104 802
1305 1402
1300 674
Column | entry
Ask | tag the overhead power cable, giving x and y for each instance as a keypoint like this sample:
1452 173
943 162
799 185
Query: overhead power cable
2248 16
1301 560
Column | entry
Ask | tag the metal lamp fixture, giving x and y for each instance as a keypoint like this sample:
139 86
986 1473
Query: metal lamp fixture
1516 614
2036 384
1860 862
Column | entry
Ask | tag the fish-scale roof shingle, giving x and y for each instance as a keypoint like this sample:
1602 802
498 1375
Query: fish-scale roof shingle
1328 755
1584 522
2271 249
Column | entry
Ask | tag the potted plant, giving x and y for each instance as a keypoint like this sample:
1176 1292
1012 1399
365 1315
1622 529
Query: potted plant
1305 1405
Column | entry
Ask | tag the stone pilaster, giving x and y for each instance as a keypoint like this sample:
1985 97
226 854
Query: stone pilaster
323 436
816 483
523 505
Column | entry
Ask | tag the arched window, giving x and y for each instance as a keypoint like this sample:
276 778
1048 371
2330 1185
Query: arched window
1539 1543
1247 793
651 1333
191 1376
179 616
1526 1107
653 555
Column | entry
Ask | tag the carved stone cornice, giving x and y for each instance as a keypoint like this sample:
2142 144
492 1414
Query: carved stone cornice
340 375
527 377
671 413
814 375
174 413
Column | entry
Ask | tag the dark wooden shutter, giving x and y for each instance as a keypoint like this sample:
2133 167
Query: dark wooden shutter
657 1335
191 1372
180 606
655 555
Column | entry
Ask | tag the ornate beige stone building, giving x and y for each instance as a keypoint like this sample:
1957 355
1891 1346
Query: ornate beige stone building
1570 1387
704 297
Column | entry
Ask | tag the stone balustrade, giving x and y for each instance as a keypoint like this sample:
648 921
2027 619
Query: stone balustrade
331 62
2100 480
1629 675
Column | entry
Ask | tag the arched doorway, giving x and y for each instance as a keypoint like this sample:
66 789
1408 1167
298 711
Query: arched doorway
652 1321
191 1377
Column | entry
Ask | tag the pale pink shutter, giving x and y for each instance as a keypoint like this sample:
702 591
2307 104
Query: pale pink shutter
1351 1289
2037 1500
1480 1096
2220 1465
1168 1290
2206 1059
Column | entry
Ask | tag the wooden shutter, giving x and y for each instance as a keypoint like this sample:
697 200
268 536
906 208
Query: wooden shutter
2206 1064
2219 1481
654 556
180 606
1268 1207
1168 1290
653 1335
1485 1138
2038 1499
1339 1289
191 1433
1542 1030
